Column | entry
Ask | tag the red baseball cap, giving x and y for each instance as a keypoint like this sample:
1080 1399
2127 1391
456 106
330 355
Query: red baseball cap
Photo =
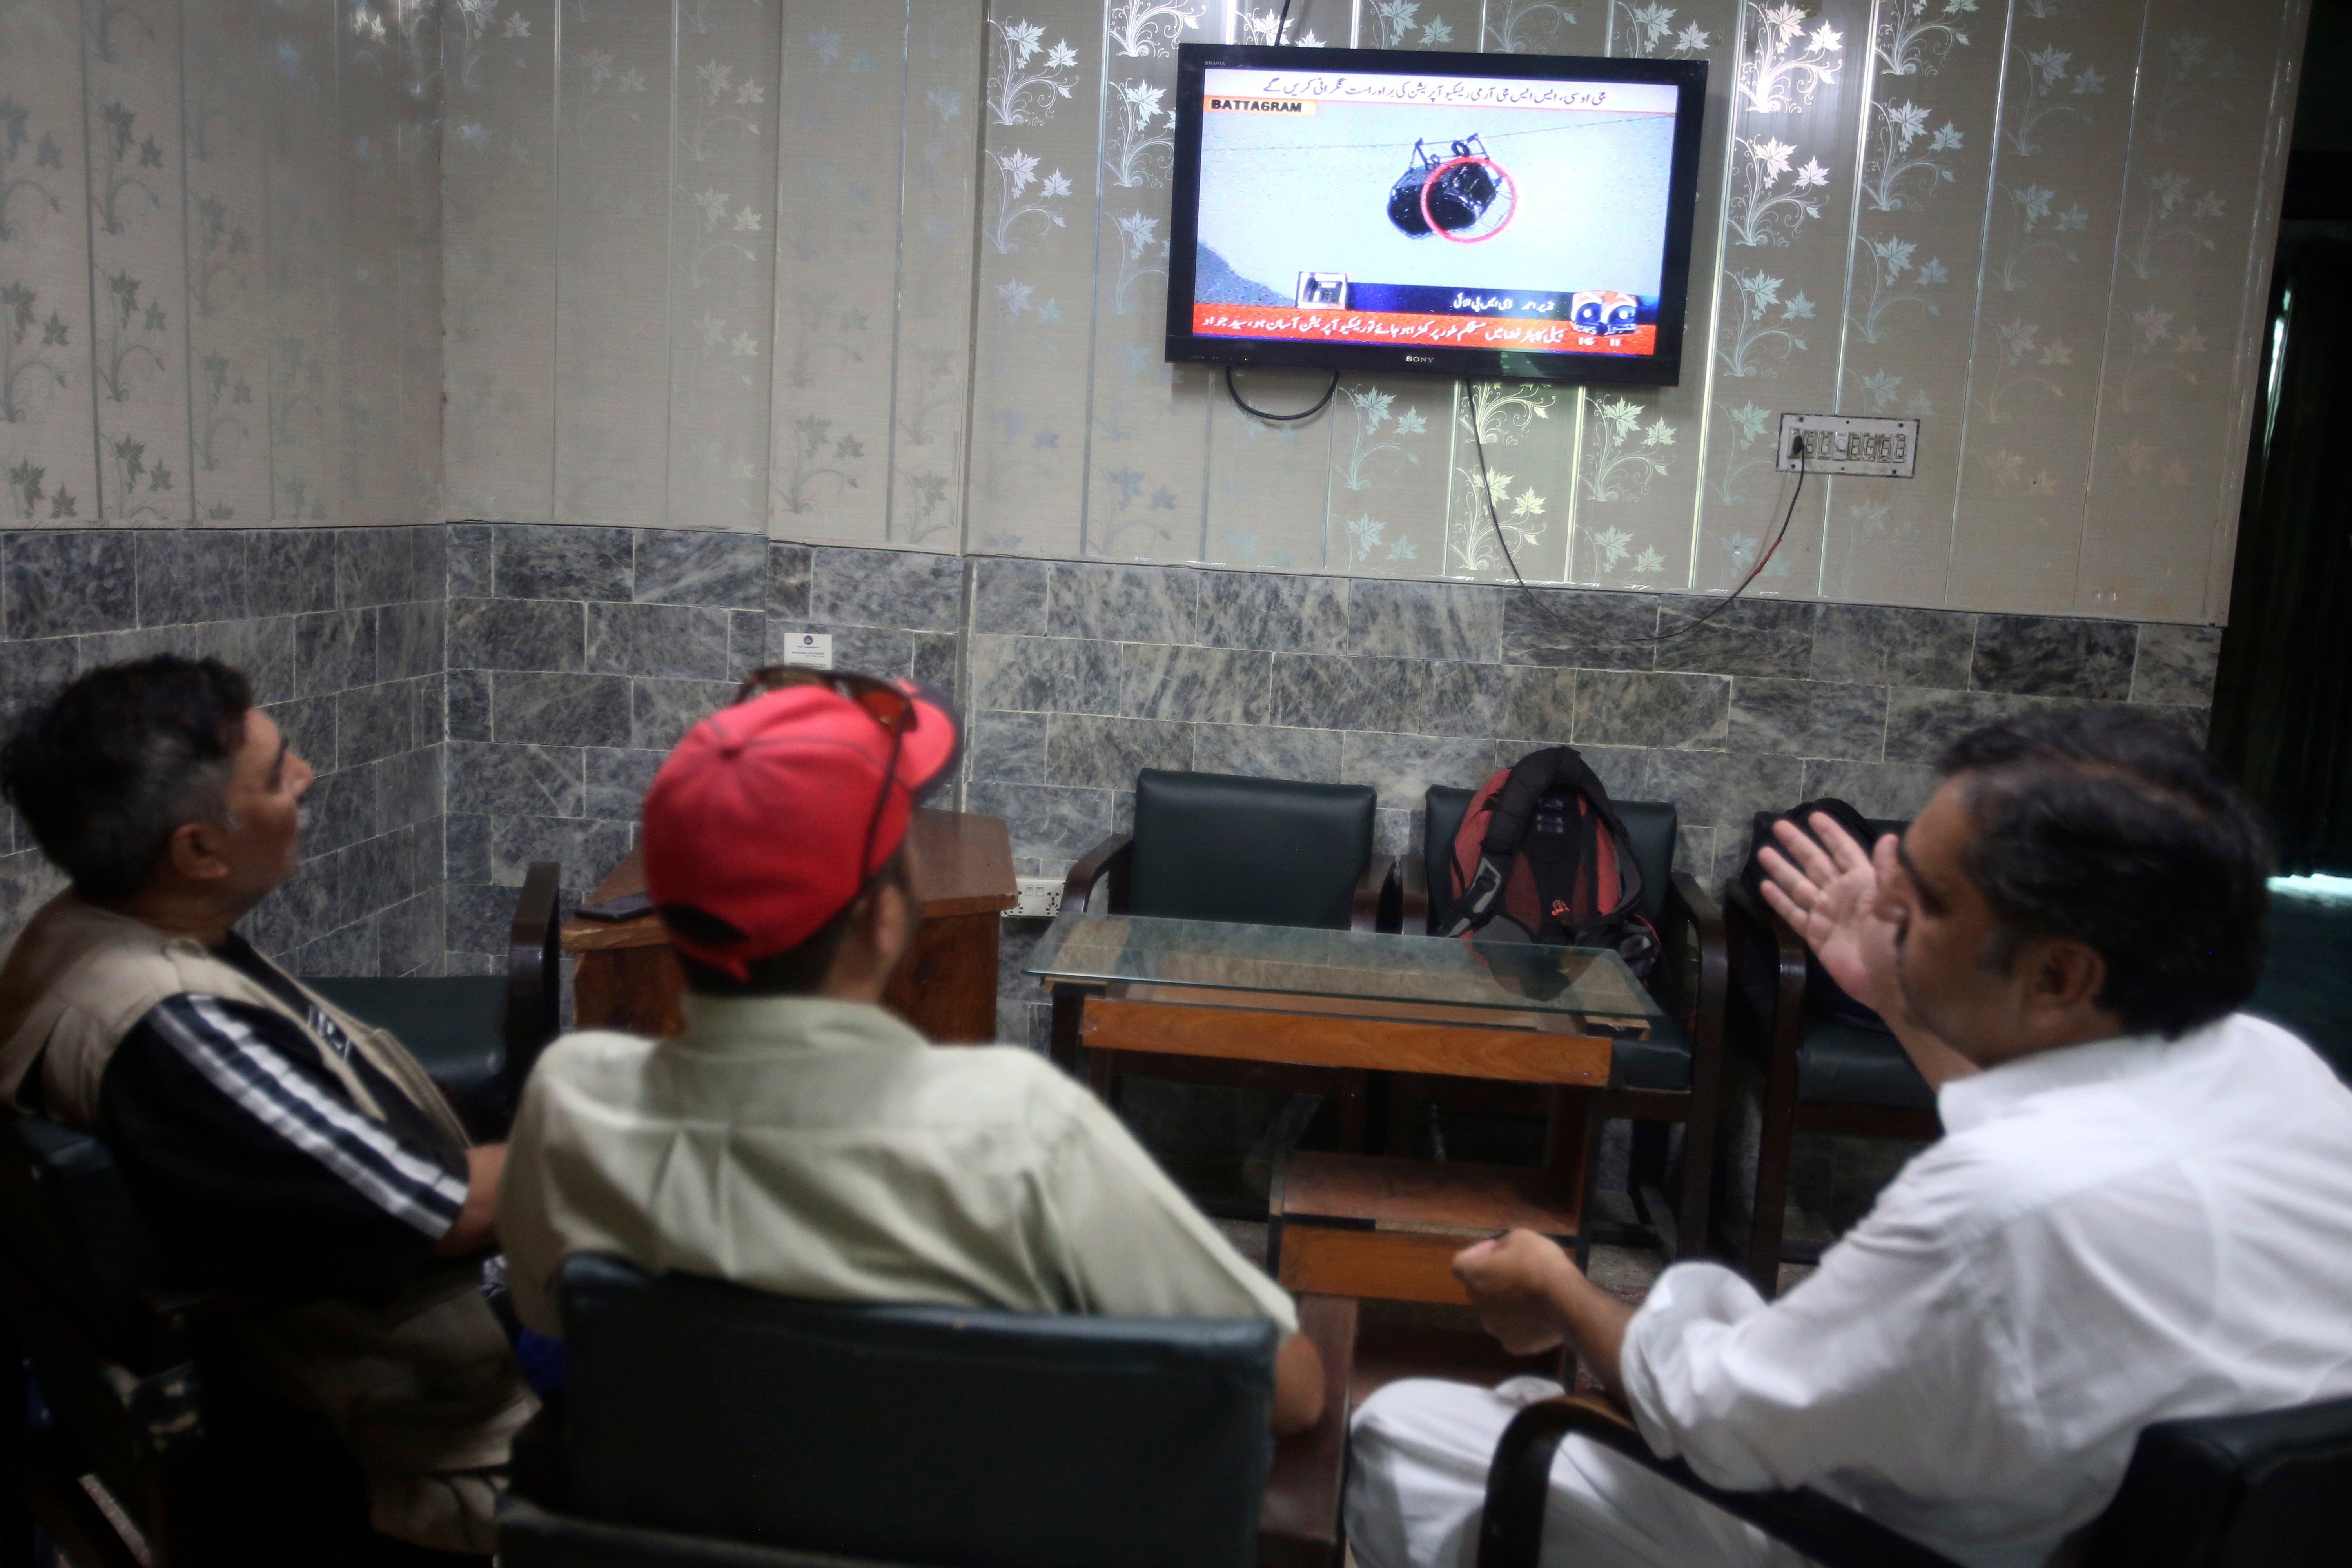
753 825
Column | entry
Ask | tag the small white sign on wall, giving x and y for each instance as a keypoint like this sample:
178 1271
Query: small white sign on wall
809 650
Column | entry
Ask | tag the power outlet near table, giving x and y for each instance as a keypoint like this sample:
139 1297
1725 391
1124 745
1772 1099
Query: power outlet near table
1040 899
1849 444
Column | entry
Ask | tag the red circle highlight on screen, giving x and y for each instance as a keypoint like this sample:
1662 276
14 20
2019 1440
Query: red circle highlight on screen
1438 172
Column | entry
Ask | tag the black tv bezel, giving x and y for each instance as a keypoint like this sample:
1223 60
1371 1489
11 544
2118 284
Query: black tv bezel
1660 368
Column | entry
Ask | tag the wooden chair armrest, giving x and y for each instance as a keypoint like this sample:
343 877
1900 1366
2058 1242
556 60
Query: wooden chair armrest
1375 901
1755 924
1113 858
1518 1484
1298 1517
1693 920
534 984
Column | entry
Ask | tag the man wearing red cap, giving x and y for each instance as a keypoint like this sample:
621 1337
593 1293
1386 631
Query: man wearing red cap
798 1138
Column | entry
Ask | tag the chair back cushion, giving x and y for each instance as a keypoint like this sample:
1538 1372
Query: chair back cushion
1650 827
68 1211
453 1025
2272 1490
1209 846
913 1434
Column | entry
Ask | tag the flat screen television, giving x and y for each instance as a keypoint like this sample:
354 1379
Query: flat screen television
1517 216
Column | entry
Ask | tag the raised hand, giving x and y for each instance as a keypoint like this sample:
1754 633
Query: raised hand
1828 892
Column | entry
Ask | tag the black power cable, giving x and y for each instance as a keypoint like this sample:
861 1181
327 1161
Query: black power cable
1320 404
1283 22
1477 440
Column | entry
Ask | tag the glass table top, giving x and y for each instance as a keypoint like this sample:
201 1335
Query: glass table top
1372 966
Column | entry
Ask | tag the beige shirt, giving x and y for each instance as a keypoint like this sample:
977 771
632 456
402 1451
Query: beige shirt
824 1149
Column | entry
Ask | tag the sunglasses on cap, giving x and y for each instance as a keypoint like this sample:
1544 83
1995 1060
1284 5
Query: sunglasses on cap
887 704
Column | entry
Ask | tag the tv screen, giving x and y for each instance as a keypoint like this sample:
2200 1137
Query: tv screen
1505 215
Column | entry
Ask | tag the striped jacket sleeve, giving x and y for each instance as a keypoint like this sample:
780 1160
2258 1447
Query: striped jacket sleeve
258 1165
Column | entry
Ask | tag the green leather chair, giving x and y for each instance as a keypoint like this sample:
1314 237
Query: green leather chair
1671 1078
1813 1073
477 1035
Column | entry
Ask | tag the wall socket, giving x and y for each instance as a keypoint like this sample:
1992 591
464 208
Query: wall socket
1041 899
1847 444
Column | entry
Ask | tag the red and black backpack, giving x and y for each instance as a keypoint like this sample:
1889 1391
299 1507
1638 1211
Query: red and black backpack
1542 857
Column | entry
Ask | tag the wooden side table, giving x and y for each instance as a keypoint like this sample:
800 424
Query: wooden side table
628 977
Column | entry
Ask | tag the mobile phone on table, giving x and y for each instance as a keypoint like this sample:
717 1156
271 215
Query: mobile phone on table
627 906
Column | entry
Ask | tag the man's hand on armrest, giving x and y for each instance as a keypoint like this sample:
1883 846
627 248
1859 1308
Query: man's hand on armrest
1528 1295
1297 1387
476 1226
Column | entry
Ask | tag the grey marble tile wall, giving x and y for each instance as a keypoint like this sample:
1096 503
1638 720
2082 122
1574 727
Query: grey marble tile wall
340 632
1081 674
577 656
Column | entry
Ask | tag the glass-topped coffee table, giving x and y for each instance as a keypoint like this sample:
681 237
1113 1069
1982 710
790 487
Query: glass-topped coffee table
1304 1006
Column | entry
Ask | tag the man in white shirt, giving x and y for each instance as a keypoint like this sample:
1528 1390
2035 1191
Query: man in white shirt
2141 1208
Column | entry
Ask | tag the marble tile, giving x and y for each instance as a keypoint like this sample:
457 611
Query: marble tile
309 725
1015 674
1122 811
411 934
481 964
334 651
27 881
1579 628
350 951
1623 770
1876 644
1326 692
1008 748
584 849
477 916
1282 613
2055 656
192 574
1630 708
2175 665
465 847
411 640
1807 718
1396 831
662 711
469 705
1008 596
681 567
57 583
1400 619
788 580
559 710
1539 704
1221 686
1892 791
1123 604
2194 720
1048 824
375 567
1921 723
1089 751
429 558
910 589
1089 677
408 786
516 781
428 706
371 722
33 672
1445 699
1267 752
618 782
516 634
261 646
1402 767
556 560
470 556
291 571
656 639
340 809
101 648
1695 852
935 660
1722 789
886 651
747 642
1748 636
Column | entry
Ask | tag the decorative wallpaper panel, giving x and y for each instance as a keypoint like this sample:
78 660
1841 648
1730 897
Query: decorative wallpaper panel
220 261
895 274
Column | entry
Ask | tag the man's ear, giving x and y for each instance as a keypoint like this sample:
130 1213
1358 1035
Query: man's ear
2064 973
197 852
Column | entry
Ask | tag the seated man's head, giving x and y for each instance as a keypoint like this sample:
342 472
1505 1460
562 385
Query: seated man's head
775 835
157 786
2079 875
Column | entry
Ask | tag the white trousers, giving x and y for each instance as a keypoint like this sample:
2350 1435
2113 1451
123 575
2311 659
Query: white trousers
1418 1487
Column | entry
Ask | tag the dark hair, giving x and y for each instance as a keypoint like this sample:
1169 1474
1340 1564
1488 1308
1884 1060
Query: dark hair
797 971
2114 828
105 772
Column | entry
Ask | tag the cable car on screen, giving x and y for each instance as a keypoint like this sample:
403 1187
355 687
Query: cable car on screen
1458 189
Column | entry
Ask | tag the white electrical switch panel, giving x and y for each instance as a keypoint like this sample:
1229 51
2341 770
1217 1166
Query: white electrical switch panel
1849 444
1041 899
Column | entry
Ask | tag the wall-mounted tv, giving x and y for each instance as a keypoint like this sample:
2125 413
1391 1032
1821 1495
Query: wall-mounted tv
1519 216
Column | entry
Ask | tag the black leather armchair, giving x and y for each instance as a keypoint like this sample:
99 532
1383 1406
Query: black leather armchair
1672 1076
1210 847
2270 1490
1814 1074
706 1422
